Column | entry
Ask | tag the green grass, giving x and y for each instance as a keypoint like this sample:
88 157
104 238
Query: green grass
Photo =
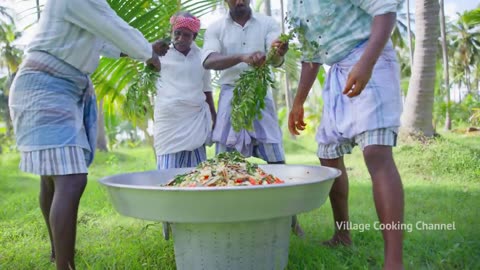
441 180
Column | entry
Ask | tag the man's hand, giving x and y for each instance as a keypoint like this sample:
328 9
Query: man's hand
281 48
154 61
295 119
357 79
160 47
254 59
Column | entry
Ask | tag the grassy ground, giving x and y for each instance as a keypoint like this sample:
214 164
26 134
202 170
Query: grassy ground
441 180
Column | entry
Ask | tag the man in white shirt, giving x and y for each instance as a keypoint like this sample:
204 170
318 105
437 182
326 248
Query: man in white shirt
53 106
231 44
184 109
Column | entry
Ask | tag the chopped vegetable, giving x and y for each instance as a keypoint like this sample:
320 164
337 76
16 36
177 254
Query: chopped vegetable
226 169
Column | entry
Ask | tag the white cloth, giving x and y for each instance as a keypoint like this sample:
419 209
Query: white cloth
182 116
227 37
78 31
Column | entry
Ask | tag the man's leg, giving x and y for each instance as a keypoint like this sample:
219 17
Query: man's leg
63 217
388 197
339 201
46 197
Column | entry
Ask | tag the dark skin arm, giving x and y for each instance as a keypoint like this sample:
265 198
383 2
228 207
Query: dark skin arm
217 61
360 74
308 76
209 100
153 62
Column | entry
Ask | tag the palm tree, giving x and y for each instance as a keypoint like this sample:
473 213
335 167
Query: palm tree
10 58
418 109
472 17
448 121
465 48
409 30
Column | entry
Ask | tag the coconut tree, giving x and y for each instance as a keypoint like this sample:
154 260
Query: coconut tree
10 58
472 17
448 121
418 109
465 49
409 30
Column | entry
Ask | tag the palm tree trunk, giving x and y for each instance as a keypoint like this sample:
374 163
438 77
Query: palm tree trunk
288 93
418 114
448 121
101 137
38 10
409 31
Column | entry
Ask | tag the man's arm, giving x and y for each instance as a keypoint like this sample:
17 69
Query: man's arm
358 78
272 39
307 78
97 17
207 85
217 61
211 106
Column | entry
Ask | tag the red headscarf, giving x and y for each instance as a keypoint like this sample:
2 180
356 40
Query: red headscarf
191 23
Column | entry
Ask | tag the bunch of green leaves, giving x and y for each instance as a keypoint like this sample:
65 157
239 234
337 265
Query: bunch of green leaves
308 48
250 91
138 102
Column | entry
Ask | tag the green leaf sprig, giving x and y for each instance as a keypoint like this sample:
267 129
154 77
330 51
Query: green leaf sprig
250 91
138 103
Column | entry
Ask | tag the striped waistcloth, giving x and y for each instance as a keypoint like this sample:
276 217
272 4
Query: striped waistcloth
55 161
378 106
53 109
182 159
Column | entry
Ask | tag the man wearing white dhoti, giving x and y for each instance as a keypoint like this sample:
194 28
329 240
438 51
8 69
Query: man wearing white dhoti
184 109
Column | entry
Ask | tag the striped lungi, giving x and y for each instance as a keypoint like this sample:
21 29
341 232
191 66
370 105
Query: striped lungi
371 118
54 115
182 159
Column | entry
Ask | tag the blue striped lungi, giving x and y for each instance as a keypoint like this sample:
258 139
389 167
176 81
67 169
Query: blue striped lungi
371 118
54 114
182 159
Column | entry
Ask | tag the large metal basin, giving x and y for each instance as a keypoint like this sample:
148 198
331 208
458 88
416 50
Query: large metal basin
141 195
218 228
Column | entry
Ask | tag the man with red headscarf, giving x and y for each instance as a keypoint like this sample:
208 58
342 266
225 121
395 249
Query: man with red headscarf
184 109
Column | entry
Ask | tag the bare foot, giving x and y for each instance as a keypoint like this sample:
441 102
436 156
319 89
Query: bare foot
339 239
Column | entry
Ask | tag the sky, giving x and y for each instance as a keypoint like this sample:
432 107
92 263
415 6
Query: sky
26 12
